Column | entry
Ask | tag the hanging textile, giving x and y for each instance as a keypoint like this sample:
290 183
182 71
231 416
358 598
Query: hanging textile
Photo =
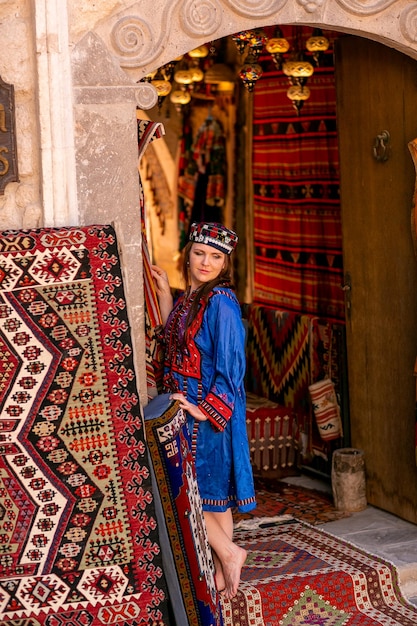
79 530
147 132
297 221
202 174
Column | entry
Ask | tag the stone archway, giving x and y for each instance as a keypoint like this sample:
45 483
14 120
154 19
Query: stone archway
116 52
144 36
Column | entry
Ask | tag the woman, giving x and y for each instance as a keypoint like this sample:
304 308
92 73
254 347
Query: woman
204 371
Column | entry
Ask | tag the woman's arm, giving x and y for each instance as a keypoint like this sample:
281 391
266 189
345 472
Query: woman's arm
163 291
191 408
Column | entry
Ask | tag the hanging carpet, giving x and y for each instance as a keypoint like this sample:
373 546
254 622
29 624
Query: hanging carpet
296 574
79 536
297 221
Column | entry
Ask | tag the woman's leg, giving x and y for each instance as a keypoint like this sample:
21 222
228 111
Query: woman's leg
228 557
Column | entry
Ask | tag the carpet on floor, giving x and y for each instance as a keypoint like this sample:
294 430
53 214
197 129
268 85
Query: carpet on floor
275 497
297 574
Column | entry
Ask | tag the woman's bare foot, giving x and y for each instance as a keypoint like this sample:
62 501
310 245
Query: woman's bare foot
231 571
218 574
228 557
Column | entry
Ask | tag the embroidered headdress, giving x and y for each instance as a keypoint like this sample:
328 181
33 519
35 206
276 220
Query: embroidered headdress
215 235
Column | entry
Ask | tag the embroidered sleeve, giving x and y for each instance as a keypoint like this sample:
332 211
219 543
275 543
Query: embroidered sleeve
226 329
216 410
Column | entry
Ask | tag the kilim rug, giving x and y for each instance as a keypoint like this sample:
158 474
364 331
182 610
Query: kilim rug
187 559
278 356
280 498
295 166
79 536
298 575
286 352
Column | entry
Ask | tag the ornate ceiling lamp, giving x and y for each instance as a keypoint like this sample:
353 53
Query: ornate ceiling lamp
256 41
298 95
196 55
250 72
298 70
317 44
277 46
241 40
188 72
183 75
162 85
180 98
199 53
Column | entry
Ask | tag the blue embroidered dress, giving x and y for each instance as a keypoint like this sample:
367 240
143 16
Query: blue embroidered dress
209 368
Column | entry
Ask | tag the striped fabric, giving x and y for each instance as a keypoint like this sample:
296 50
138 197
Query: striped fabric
297 224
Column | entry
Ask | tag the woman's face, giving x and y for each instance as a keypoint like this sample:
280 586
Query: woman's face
206 263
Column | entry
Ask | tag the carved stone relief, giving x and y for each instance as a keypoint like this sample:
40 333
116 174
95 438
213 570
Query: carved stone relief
141 37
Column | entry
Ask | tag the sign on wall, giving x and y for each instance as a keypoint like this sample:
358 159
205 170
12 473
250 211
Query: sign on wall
8 152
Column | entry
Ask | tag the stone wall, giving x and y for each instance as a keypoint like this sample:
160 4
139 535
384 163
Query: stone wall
21 203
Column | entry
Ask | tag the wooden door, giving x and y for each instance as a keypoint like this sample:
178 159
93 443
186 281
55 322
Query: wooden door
376 92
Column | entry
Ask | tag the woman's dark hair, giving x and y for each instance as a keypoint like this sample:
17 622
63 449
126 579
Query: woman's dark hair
202 293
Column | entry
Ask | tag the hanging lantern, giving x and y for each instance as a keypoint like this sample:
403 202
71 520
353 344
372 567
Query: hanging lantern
163 87
317 43
241 40
256 41
298 70
180 98
199 53
298 95
197 73
277 46
250 72
183 76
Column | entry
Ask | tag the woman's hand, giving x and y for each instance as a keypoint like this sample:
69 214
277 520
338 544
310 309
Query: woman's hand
163 291
192 409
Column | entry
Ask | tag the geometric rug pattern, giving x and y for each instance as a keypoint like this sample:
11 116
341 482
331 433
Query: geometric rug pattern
186 553
78 532
276 497
296 574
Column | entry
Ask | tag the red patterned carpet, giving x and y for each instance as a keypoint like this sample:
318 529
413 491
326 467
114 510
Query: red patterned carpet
276 497
297 575
78 531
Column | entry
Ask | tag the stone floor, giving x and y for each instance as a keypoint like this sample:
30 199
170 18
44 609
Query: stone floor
378 532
